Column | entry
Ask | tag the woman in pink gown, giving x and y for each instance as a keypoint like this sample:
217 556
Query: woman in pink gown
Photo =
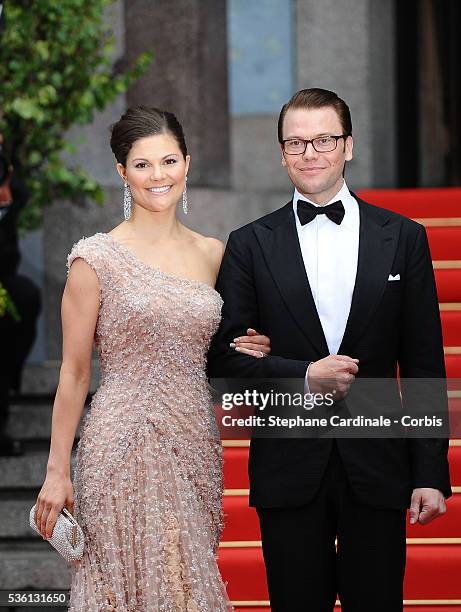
148 479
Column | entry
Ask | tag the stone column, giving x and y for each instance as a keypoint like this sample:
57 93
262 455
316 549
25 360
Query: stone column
65 223
348 47
188 75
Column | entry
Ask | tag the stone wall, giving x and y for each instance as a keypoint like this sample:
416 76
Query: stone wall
348 47
236 172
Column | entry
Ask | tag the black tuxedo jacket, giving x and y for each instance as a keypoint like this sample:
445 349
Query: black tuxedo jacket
264 285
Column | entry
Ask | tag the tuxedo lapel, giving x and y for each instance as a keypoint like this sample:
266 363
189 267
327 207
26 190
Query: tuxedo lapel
280 244
377 245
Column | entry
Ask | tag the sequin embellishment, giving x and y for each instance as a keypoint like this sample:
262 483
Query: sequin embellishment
148 475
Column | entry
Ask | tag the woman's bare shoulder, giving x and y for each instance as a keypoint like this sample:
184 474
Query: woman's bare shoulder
214 246
82 270
211 247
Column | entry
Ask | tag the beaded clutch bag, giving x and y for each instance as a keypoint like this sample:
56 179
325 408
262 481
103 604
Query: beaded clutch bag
67 536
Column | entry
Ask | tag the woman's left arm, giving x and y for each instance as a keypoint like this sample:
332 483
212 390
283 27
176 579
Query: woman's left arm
254 343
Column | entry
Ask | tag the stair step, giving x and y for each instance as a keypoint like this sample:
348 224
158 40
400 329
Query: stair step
248 608
25 472
241 522
451 325
28 471
454 457
416 607
31 422
46 609
432 573
453 366
454 405
444 242
236 470
244 572
42 378
33 565
417 202
14 519
448 284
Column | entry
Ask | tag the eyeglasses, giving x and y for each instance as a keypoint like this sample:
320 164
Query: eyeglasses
322 144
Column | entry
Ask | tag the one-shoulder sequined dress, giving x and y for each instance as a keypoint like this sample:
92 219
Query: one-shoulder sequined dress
148 473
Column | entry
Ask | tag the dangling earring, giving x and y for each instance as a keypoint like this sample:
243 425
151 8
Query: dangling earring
184 198
127 202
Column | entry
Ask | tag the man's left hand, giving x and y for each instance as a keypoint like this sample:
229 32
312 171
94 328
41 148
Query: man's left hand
426 505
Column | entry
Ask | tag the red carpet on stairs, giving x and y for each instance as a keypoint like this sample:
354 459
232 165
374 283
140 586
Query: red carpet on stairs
236 462
453 366
433 577
455 416
451 326
448 282
241 522
434 551
432 572
410 608
236 468
444 242
417 203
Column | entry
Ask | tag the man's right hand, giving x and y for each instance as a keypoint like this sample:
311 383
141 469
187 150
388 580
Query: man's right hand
333 373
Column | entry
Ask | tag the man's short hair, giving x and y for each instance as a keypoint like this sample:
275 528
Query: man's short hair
317 98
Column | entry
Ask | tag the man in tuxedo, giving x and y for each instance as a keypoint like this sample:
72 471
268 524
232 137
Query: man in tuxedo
344 290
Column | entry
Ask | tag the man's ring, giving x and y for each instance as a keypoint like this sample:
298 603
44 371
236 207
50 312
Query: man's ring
262 354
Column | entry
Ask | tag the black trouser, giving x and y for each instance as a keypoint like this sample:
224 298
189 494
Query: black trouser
16 338
305 572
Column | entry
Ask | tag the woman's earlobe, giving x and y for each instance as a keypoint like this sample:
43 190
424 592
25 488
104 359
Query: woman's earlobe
121 171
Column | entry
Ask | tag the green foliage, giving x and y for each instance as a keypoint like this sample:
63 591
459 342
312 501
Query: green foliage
55 71
7 305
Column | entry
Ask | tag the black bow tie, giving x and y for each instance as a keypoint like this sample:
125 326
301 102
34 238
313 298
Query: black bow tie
307 211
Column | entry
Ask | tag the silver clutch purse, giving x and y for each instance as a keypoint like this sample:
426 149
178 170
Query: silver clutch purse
67 536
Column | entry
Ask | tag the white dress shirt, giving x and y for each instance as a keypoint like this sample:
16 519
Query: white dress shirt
330 254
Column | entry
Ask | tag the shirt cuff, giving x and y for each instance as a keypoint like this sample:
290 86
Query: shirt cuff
306 380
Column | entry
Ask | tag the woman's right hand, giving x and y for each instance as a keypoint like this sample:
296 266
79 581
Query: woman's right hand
57 491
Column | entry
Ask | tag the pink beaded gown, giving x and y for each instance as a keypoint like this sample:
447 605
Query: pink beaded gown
148 475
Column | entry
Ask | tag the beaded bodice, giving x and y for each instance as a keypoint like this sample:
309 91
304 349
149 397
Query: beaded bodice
152 336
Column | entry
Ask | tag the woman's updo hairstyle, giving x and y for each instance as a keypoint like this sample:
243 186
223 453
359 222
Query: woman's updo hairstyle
141 121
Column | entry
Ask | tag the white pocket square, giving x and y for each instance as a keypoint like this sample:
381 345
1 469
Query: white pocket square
394 278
